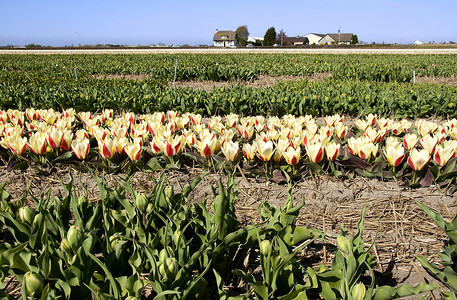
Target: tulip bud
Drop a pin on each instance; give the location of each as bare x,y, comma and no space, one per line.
344,245
65,246
75,237
26,214
177,235
358,291
34,283
114,240
82,201
265,246
37,220
163,254
141,201
168,191
149,208
169,267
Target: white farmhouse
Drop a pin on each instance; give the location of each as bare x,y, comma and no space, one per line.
225,38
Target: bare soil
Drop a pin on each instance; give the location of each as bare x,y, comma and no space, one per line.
437,79
394,222
262,82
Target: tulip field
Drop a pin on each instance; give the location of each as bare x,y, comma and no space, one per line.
70,128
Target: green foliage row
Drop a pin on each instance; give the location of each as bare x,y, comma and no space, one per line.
70,247
297,98
382,67
359,83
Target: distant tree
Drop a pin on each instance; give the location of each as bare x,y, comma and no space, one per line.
269,38
33,46
281,39
355,39
242,35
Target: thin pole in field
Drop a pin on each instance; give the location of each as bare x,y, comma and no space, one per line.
76,75
174,79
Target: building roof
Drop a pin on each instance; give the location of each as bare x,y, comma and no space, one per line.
318,34
224,35
342,37
253,39
297,39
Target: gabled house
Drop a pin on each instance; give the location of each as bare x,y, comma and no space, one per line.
336,38
314,38
295,41
225,38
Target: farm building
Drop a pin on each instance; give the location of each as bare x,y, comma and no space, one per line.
225,38
314,38
336,38
295,41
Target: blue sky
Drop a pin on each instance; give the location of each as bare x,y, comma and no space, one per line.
141,22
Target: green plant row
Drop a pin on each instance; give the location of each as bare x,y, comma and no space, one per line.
382,68
128,243
297,98
359,83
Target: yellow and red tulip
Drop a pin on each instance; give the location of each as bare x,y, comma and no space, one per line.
31,114
230,150
207,145
37,142
418,159
173,145
120,144
315,152
443,154
54,138
395,154
246,131
426,127
332,150
361,124
156,144
281,147
332,120
354,145
107,148
384,122
340,130
249,151
429,143
367,150
69,113
231,120
292,155
133,150
371,119
80,148
85,117
17,144
81,133
410,140
326,130
265,150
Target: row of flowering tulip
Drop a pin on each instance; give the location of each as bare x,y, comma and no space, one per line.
269,143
